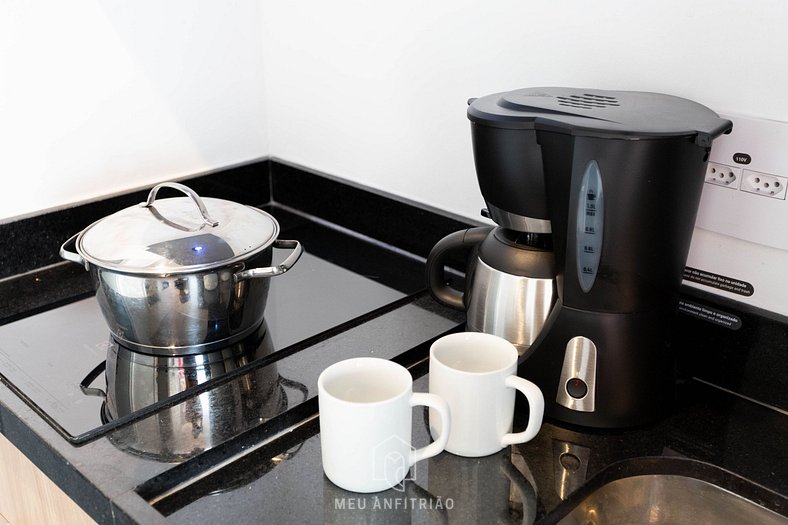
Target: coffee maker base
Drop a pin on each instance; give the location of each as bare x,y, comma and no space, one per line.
603,370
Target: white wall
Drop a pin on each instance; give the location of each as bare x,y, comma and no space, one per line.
97,97
376,92
100,96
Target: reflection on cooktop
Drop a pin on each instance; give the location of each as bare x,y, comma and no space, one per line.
136,381
45,357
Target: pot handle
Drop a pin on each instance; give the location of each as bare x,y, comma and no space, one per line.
273,271
436,278
189,192
71,256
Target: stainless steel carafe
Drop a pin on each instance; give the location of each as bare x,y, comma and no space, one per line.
510,281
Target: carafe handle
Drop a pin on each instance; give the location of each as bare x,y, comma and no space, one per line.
436,277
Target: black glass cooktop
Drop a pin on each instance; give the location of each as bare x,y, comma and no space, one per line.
46,356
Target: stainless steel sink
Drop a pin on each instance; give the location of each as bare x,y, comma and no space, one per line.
667,499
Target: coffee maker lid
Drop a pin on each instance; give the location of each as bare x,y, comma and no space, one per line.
595,112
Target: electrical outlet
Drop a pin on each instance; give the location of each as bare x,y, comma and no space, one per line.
722,175
757,148
741,236
764,184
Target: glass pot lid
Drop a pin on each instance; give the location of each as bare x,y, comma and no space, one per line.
177,235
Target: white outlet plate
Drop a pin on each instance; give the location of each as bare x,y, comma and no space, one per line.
759,147
741,232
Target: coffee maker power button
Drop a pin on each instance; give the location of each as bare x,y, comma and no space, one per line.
576,388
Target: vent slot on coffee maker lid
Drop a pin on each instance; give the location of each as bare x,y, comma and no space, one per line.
587,101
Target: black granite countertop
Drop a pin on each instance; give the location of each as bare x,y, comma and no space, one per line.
712,438
720,430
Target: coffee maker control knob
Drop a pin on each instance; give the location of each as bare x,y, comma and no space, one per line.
576,387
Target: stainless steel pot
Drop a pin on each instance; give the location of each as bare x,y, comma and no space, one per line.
182,275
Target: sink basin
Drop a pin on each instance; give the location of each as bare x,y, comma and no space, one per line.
669,500
670,491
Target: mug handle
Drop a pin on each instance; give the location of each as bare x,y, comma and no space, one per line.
536,410
437,446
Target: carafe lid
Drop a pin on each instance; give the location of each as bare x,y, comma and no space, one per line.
601,113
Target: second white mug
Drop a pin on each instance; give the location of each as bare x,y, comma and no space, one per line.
475,373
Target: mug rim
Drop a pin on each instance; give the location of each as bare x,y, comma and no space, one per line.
392,368
500,343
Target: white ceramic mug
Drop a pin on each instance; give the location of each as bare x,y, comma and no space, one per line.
476,374
365,408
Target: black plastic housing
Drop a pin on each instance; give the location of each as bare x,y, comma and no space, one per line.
652,191
509,170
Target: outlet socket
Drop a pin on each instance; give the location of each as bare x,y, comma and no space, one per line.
722,175
764,184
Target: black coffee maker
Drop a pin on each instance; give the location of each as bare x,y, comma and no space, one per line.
595,194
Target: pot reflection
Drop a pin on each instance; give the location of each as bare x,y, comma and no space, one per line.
197,423
136,380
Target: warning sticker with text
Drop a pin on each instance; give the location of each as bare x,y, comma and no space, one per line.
721,282
710,314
